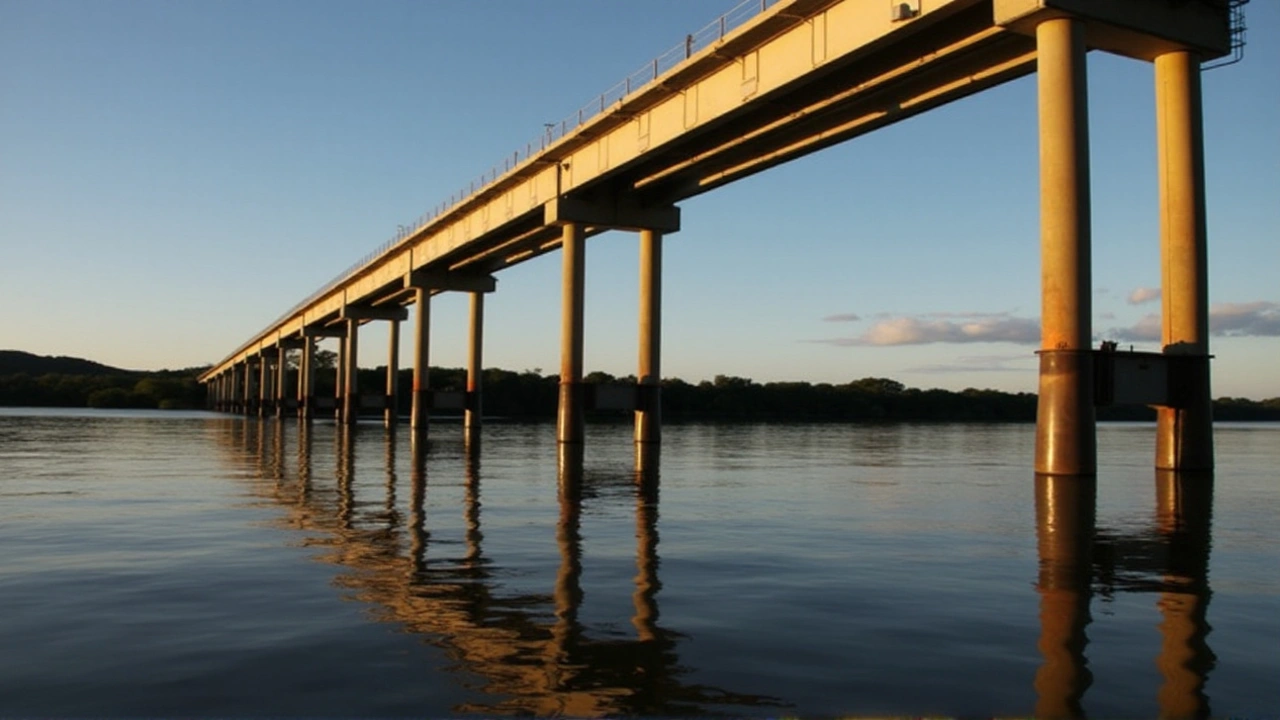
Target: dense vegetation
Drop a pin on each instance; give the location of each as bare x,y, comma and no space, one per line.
26,381
36,381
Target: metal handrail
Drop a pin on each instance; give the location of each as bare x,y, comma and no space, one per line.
1235,10
713,32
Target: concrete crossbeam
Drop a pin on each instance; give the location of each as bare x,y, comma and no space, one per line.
456,281
618,214
356,312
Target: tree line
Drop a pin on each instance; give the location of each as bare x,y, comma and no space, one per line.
531,395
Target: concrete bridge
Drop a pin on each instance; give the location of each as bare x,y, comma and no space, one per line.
769,82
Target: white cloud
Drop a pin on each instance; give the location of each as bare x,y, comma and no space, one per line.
953,328
842,317
1254,319
1146,329
1144,295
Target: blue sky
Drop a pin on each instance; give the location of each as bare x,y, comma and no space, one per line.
175,175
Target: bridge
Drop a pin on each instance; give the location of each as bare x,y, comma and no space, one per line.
771,81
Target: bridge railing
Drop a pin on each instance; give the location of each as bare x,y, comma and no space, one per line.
692,44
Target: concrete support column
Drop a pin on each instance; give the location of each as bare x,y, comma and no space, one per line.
307,379
421,356
1065,427
1184,435
475,366
264,379
340,378
351,375
570,426
282,372
392,412
649,374
246,388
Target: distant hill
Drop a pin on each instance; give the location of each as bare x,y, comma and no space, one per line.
17,361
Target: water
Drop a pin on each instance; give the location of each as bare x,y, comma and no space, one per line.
163,563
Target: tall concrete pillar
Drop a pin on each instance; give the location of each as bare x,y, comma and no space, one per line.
1184,435
351,375
340,378
1065,427
570,426
649,375
307,379
282,372
475,367
247,396
264,384
421,357
1065,512
392,412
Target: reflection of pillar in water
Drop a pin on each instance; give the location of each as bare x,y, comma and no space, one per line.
417,506
1184,507
390,458
471,510
647,584
304,462
260,448
346,473
277,453
1064,533
568,589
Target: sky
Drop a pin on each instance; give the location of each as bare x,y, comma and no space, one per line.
175,175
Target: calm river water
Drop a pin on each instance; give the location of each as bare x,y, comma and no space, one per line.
197,564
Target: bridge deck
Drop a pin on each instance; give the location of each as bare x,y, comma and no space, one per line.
799,76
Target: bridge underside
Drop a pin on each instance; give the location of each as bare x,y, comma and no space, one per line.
801,76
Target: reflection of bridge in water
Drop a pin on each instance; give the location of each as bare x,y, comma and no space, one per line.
531,649
536,655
